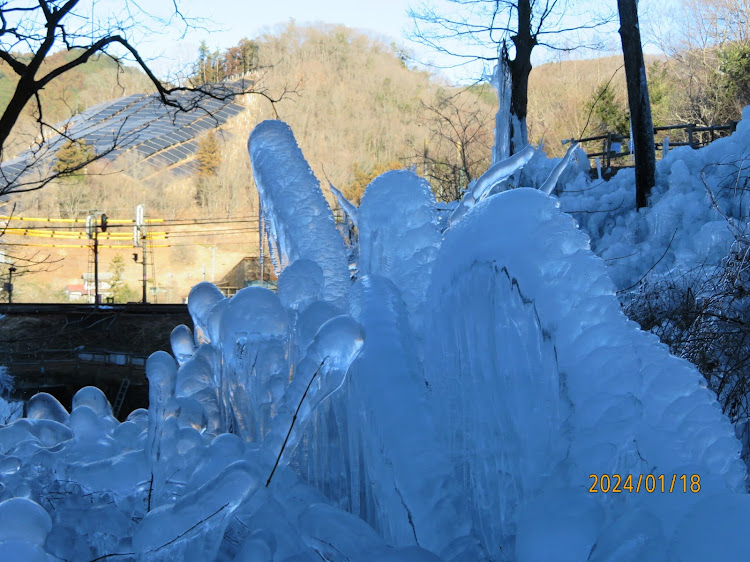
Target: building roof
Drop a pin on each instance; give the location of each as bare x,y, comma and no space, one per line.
140,124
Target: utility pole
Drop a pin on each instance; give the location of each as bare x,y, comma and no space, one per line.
144,298
139,238
11,271
96,266
92,230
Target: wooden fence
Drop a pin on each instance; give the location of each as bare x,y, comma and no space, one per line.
615,147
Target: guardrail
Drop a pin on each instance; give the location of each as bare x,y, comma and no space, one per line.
97,356
615,146
57,308
26,367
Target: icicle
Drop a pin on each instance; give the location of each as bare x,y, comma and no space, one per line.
501,82
349,208
551,181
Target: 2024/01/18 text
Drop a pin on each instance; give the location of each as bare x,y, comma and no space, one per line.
617,484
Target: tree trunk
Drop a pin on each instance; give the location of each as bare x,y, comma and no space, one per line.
520,68
638,101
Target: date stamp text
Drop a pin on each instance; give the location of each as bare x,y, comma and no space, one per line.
649,483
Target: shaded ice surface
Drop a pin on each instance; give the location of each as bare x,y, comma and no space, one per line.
574,387
450,404
9,409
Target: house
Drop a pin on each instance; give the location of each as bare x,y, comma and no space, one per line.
75,293
247,273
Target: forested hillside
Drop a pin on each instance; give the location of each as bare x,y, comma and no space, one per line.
357,108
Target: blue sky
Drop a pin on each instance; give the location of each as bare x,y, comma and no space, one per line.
228,21
231,20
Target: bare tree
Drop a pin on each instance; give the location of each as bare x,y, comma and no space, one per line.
474,30
709,45
460,142
638,102
31,31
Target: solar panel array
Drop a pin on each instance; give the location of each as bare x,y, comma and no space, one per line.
161,136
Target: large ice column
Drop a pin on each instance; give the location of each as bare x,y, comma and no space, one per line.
161,371
496,379
319,374
301,221
196,379
399,235
401,478
610,395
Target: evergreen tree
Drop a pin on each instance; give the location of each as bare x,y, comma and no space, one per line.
121,293
208,156
203,63
609,115
209,160
72,159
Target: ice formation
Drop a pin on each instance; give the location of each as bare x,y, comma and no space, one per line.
511,133
300,223
400,242
492,179
450,404
502,82
349,208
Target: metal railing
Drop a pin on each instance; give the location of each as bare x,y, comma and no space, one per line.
615,147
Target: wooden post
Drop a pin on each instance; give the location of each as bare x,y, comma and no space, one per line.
690,135
607,151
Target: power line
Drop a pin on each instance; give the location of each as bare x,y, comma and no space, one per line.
129,246
164,222
74,221
76,235
190,233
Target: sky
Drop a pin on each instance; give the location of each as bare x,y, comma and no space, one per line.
231,20
222,23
